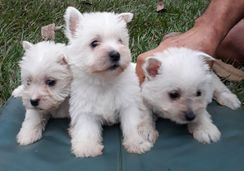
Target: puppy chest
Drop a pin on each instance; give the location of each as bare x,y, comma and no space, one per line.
99,103
105,106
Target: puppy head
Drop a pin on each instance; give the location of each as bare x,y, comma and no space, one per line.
178,84
45,75
98,42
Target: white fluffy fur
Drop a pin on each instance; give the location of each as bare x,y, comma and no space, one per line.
41,62
101,95
187,72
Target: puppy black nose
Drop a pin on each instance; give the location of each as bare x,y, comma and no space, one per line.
189,116
114,56
34,102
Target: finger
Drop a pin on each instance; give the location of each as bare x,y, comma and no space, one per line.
139,71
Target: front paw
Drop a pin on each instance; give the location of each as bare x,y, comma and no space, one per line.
29,136
206,133
86,148
148,132
137,144
230,100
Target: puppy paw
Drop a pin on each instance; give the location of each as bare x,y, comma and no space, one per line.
29,136
206,134
148,133
230,100
137,145
87,149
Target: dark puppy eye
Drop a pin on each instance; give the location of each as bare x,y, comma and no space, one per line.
120,41
50,82
94,44
28,82
198,93
175,94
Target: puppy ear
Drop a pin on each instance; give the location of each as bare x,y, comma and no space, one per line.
207,58
26,45
151,67
127,16
72,19
63,60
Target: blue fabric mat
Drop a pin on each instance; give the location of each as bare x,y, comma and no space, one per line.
175,150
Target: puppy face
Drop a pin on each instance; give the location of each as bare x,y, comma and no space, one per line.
178,84
45,75
98,41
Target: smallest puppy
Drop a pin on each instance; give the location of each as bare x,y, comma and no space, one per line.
179,85
46,78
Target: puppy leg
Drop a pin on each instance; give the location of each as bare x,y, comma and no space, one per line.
204,130
86,139
138,130
32,127
223,95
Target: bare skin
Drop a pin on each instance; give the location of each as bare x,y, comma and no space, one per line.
208,32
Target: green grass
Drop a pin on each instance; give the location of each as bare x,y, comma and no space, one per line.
22,20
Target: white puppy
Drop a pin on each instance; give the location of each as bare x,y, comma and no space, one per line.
45,87
178,86
105,88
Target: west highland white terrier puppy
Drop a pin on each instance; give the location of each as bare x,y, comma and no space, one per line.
46,79
179,85
105,88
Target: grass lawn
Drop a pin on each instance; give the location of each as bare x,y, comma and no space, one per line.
22,20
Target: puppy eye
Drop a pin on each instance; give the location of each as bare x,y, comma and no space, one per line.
198,93
50,82
94,43
28,82
120,41
175,94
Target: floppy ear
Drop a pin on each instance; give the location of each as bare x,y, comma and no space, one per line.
127,16
207,58
72,19
151,67
26,45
